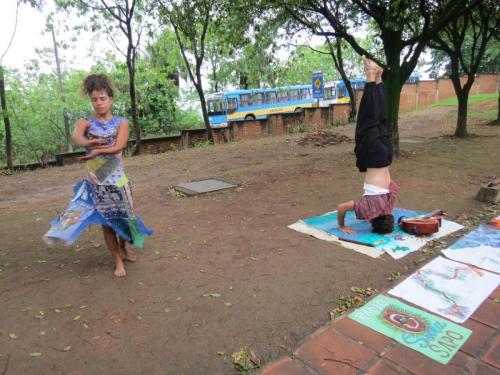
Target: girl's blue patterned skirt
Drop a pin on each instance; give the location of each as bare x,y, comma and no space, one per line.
98,204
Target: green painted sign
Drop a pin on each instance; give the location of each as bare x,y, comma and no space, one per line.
434,337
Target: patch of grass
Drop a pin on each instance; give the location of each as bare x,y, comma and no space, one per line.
347,302
393,276
473,99
489,114
245,360
202,144
301,128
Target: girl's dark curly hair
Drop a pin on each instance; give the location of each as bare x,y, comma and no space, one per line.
383,224
97,82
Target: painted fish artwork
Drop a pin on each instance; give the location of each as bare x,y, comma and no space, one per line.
448,288
428,334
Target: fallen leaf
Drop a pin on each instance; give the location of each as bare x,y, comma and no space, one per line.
35,354
85,325
228,304
57,311
76,317
67,348
13,336
221,353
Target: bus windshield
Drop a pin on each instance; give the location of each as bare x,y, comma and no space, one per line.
215,107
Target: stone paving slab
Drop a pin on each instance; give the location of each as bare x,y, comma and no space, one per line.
345,347
203,186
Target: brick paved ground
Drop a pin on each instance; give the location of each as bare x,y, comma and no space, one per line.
346,347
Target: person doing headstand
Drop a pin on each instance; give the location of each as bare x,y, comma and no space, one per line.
374,156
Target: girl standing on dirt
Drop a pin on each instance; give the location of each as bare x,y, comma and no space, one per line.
104,196
374,156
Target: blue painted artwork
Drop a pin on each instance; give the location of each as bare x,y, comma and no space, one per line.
481,248
484,235
328,223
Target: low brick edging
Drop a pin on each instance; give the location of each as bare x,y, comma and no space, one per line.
345,346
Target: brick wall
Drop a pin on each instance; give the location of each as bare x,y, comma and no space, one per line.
161,144
488,83
423,93
426,93
340,112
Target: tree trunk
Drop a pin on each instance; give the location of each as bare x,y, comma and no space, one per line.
462,94
69,144
201,95
243,81
6,121
340,68
133,107
498,111
461,129
393,88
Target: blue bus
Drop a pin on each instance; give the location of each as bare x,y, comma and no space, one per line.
254,104
336,91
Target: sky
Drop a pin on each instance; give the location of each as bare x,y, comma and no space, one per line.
30,34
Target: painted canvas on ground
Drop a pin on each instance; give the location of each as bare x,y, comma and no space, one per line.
397,244
481,248
301,227
428,334
448,288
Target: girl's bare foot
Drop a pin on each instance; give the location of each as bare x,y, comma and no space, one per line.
119,268
127,254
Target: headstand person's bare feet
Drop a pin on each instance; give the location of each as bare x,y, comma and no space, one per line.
370,69
378,76
373,72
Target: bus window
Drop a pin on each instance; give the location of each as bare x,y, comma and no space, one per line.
231,105
340,91
329,93
258,98
245,100
294,95
271,97
282,96
305,94
215,107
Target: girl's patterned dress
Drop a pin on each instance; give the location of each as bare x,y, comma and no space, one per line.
104,197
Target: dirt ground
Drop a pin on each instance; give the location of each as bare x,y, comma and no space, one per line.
222,270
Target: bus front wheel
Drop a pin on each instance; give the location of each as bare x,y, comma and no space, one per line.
249,117
298,110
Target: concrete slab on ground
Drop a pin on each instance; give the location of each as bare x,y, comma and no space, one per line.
203,186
